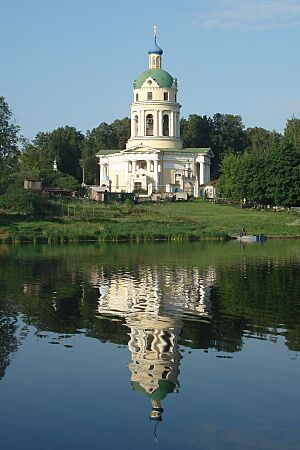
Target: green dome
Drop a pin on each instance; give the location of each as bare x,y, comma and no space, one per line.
165,387
162,78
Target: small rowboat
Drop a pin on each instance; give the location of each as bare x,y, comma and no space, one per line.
252,238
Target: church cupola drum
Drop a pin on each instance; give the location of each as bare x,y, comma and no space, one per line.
155,112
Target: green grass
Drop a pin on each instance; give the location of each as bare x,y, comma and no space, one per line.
87,221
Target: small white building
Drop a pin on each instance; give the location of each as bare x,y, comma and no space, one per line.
154,159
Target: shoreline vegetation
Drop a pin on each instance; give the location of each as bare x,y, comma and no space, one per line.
85,221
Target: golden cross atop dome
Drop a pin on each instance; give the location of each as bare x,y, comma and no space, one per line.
154,30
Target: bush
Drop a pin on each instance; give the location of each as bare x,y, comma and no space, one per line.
67,182
20,201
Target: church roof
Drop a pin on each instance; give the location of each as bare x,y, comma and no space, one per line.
108,152
155,48
162,78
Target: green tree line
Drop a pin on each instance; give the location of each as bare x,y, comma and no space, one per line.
255,163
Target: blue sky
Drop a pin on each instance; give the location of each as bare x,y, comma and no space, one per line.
72,62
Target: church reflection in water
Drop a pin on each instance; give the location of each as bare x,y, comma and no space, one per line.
154,304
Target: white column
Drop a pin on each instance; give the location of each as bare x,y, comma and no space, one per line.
178,124
156,119
140,123
175,124
148,167
100,172
132,124
133,167
155,172
160,119
202,173
171,124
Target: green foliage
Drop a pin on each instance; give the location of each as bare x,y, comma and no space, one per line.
196,131
282,175
260,139
268,177
292,132
66,182
9,134
224,133
122,131
63,144
9,140
18,200
89,161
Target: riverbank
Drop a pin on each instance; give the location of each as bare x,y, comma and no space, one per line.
83,221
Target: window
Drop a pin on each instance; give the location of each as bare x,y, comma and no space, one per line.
166,125
166,95
149,95
117,182
143,165
149,125
136,125
130,166
136,97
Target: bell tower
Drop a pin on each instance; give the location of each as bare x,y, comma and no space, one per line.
155,112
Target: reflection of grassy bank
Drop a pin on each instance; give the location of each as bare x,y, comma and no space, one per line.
85,221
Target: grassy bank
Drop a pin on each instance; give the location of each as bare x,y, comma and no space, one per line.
85,221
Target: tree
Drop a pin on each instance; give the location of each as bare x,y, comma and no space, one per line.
103,137
271,177
9,140
196,131
89,162
122,129
228,184
63,145
292,132
282,175
18,200
228,135
260,139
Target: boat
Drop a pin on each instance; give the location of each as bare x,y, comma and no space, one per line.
252,238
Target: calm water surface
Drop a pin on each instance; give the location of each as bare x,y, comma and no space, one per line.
95,340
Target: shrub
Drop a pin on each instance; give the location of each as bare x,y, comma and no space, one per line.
20,201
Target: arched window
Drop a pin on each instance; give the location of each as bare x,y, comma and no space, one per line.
166,125
153,61
149,125
157,62
136,125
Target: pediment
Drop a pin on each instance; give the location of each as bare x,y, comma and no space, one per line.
140,149
150,83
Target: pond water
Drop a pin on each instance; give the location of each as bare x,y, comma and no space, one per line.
177,346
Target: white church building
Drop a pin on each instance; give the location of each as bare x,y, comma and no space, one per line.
154,160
